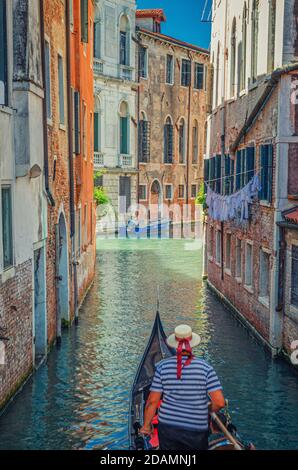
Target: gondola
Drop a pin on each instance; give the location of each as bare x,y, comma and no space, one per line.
156,350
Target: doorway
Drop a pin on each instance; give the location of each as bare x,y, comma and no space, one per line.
40,312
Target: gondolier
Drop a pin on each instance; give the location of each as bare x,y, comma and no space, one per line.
186,385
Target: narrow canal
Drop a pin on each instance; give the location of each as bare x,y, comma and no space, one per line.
79,398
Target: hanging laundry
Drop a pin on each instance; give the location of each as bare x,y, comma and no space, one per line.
223,208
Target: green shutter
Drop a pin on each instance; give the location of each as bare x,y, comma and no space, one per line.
270,172
3,53
96,129
250,164
238,170
124,135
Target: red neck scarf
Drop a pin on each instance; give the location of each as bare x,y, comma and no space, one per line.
183,345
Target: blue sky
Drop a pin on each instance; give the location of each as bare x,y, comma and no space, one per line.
183,19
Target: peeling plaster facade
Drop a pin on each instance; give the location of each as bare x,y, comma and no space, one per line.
239,80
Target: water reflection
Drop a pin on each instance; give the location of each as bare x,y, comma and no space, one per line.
79,399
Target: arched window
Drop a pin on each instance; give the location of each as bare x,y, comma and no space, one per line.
168,141
254,39
243,49
182,141
97,35
271,35
233,59
124,129
195,143
97,126
217,81
144,139
124,41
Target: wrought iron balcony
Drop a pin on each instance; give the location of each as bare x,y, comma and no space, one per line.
97,66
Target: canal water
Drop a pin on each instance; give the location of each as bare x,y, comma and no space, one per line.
79,398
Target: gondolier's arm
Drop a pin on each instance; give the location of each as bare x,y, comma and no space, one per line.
150,412
217,401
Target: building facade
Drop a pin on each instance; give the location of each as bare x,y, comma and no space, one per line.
82,123
23,204
172,101
115,124
252,131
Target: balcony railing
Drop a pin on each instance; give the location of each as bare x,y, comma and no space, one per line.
97,66
98,159
125,72
125,160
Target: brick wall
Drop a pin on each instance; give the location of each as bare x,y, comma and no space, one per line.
16,316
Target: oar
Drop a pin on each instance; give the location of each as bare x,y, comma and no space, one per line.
225,431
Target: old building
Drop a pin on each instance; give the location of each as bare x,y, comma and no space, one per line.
252,130
68,33
115,121
172,104
82,102
23,205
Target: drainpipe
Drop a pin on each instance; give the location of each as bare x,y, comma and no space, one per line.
71,164
50,197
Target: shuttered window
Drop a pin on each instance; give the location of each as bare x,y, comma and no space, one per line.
84,20
144,141
123,48
229,176
124,135
182,141
206,170
3,54
195,146
193,191
185,72
96,39
48,79
7,245
143,62
96,132
61,90
199,76
169,192
212,173
77,123
168,142
294,279
170,70
266,167
249,164
142,192
181,191
218,173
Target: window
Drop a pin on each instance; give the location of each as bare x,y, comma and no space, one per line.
271,35
61,90
169,192
124,129
245,166
97,38
77,124
215,173
97,132
266,169
124,41
264,279
193,191
185,72
168,141
170,69
218,247
228,251
144,139
182,141
294,276
195,144
48,79
211,242
143,62
238,258
181,191
248,265
78,232
254,40
199,76
233,59
142,192
217,81
229,176
7,242
243,49
84,20
98,180
3,54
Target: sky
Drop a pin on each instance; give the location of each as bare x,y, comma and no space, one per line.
183,19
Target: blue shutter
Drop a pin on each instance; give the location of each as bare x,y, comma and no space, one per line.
238,169
124,135
218,174
77,125
250,164
206,170
226,188
212,173
232,175
84,20
96,136
270,172
266,161
3,53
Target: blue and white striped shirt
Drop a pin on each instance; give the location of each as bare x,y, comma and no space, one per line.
185,401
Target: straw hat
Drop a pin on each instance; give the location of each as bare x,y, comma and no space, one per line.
183,332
